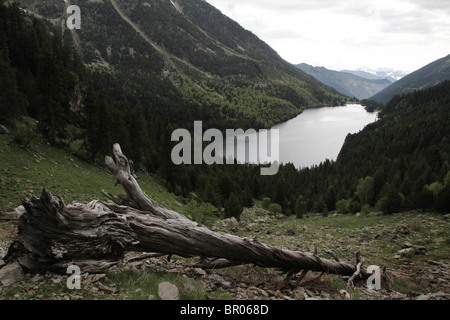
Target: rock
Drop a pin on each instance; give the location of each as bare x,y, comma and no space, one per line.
434,296
408,252
151,297
11,274
218,280
102,287
168,291
412,251
230,224
407,245
402,229
329,237
199,271
344,294
233,224
19,211
4,130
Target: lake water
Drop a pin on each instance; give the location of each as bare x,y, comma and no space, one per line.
318,134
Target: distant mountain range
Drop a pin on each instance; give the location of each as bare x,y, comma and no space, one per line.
359,84
185,60
428,76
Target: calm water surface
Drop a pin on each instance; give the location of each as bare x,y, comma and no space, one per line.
318,134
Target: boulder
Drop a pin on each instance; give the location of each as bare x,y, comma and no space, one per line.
218,280
168,291
11,274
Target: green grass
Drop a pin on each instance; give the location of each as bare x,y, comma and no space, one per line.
25,172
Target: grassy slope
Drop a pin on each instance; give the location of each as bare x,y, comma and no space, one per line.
25,172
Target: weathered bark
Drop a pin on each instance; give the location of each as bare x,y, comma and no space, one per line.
96,235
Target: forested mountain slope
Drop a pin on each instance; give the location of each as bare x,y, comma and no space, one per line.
428,76
183,60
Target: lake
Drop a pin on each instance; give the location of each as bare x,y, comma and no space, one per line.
318,134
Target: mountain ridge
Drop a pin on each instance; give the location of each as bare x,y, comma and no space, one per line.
344,82
428,76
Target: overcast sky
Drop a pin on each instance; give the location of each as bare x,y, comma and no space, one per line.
348,34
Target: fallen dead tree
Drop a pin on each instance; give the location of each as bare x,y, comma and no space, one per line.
95,236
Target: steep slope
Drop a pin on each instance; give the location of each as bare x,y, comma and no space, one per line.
183,60
428,76
346,83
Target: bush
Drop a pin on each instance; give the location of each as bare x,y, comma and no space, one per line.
354,207
265,203
390,203
24,133
275,208
202,213
343,206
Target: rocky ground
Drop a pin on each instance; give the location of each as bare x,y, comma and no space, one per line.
414,249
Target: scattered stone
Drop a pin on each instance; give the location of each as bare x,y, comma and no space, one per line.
168,291
412,251
218,280
407,245
200,272
151,297
402,229
36,278
434,296
344,294
329,237
11,274
102,287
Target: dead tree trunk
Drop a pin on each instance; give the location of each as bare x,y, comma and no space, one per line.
96,235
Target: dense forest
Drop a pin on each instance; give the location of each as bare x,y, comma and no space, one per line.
397,163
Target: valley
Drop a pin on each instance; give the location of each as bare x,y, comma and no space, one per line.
139,73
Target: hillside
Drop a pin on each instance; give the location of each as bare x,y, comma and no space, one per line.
183,60
24,172
346,83
428,76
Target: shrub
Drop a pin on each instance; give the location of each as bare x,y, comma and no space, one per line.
275,208
390,203
343,206
201,212
265,203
